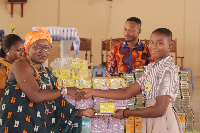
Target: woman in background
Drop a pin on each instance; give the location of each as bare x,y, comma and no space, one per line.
12,49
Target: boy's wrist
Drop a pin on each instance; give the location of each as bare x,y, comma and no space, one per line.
125,114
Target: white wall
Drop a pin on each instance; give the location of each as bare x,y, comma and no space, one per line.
101,19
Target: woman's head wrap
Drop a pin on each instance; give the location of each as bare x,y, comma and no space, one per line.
33,36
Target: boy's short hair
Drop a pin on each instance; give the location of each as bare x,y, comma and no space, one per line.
134,19
165,32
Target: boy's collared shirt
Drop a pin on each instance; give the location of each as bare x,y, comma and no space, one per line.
124,59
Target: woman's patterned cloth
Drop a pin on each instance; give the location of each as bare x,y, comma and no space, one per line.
160,79
4,70
124,59
19,115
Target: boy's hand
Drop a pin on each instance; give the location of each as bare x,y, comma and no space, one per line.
74,93
119,114
87,91
89,113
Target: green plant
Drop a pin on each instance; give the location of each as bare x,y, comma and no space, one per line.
12,27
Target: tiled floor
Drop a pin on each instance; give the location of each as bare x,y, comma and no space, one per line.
195,102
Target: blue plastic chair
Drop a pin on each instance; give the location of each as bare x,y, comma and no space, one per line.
97,69
191,81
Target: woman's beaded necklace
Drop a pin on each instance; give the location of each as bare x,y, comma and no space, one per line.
40,82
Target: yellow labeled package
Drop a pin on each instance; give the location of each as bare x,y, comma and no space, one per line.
130,124
117,82
182,120
107,107
79,64
138,124
65,82
81,74
78,83
87,83
63,73
82,83
100,82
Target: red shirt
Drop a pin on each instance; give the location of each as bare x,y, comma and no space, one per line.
124,59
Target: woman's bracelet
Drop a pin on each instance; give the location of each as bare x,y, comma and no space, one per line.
63,91
123,114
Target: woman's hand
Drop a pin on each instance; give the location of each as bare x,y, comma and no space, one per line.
119,114
87,91
74,93
89,113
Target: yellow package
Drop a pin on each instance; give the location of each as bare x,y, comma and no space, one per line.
81,74
82,83
79,64
65,82
182,120
63,73
100,83
117,82
87,83
130,124
107,107
138,124
78,83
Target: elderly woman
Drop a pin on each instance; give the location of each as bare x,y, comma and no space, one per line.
32,102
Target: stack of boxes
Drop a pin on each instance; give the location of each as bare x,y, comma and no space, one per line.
77,75
181,104
103,84
133,124
185,95
129,79
117,125
108,106
177,104
139,99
